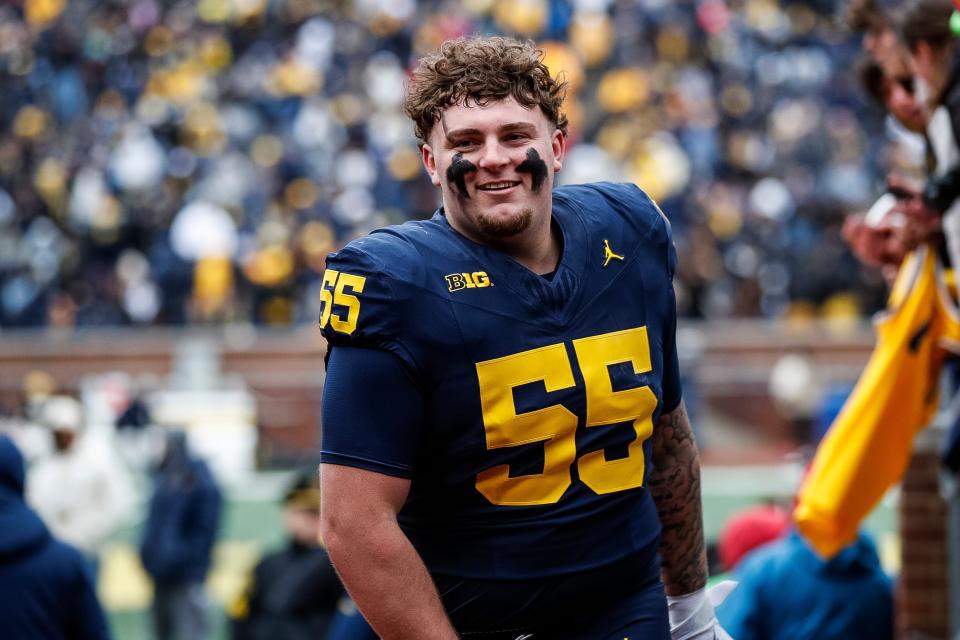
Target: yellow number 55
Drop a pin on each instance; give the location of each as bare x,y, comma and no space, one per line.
556,425
332,292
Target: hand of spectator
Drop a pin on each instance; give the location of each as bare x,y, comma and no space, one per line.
916,232
875,245
884,241
910,203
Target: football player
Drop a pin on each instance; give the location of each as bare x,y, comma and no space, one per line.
505,449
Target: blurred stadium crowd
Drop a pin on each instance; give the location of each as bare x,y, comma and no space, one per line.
194,162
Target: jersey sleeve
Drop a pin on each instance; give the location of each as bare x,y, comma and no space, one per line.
372,412
672,387
371,403
647,201
359,306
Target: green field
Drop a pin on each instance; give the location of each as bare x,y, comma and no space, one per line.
251,524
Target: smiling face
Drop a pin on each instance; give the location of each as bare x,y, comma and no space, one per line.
900,93
901,100
495,165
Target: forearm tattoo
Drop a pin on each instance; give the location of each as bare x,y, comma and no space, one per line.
674,483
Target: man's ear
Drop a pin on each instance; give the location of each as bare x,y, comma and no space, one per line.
559,143
430,164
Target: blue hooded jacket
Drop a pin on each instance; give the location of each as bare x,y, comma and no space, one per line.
788,592
46,589
181,526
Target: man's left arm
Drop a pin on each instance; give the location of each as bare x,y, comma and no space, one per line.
674,484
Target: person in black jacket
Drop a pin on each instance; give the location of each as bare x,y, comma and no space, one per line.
46,589
928,37
293,592
178,540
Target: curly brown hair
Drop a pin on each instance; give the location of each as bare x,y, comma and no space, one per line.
475,70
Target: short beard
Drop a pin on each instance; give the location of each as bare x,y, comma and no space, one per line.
504,227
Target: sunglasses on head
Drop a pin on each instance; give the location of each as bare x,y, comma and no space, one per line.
907,83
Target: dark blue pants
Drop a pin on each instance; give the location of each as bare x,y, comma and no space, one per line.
621,601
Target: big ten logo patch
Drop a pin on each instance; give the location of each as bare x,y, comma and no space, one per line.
475,280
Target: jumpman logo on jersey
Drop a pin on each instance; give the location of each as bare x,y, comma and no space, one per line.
608,253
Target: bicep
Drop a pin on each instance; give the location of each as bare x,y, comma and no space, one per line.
348,492
372,412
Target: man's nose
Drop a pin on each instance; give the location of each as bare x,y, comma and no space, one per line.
493,156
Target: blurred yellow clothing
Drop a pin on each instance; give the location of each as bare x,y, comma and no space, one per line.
212,282
623,89
868,445
564,63
42,12
523,17
592,36
271,266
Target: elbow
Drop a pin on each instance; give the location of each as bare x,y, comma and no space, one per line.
329,529
351,533
337,532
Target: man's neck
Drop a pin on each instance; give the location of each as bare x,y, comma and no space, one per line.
538,250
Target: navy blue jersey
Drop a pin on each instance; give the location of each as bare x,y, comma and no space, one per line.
539,394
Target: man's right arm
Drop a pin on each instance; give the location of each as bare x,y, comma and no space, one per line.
372,422
380,568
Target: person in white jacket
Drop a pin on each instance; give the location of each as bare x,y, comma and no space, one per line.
82,491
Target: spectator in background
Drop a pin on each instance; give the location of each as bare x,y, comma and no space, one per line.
138,438
82,490
869,19
897,95
748,529
194,162
880,237
796,389
925,31
293,593
788,592
178,538
46,590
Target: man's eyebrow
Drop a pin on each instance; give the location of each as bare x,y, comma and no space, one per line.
457,133
511,126
519,126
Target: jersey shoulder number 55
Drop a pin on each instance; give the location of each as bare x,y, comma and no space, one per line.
339,304
358,302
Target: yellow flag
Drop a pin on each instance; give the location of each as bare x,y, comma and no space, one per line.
867,447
